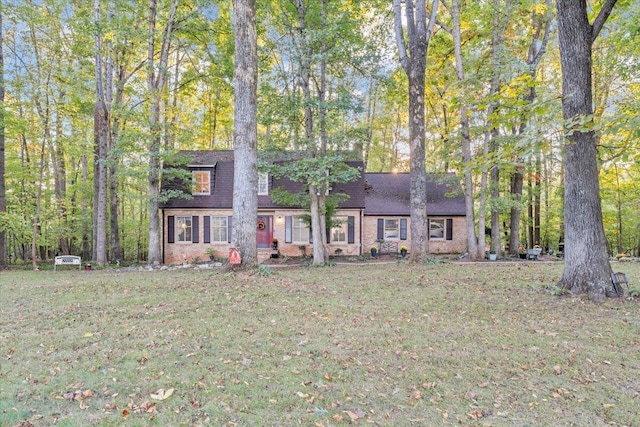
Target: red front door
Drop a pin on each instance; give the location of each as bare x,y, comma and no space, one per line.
263,231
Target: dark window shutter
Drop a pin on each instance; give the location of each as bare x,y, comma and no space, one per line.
287,229
206,225
403,228
328,235
351,230
428,229
310,235
171,229
380,228
195,230
449,229
229,228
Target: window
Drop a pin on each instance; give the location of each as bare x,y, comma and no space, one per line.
436,229
391,229
339,230
183,229
219,228
263,184
299,229
201,183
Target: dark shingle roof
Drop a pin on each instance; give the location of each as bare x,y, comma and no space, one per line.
221,163
389,194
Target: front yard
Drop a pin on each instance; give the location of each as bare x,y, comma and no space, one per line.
373,344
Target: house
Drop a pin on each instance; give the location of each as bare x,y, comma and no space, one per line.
387,213
377,207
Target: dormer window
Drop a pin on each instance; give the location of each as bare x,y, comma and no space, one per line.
263,184
201,183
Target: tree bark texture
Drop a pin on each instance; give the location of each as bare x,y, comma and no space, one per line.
155,86
465,139
587,266
3,200
412,52
101,134
245,133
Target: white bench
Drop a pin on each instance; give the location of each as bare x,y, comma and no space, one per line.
534,253
67,260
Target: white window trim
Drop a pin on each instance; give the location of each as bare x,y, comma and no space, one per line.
397,229
298,220
226,227
181,222
444,228
263,184
343,226
195,182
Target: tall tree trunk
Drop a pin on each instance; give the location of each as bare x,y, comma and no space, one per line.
587,266
465,139
3,200
101,135
60,182
493,132
35,225
537,192
413,58
619,245
245,132
541,25
155,86
114,133
84,210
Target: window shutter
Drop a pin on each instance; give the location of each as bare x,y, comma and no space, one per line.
380,228
195,231
351,230
403,228
206,225
287,229
229,228
171,230
328,235
428,229
449,229
310,235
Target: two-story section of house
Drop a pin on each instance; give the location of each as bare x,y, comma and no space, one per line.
373,207
201,224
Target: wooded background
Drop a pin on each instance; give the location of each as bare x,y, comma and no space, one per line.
96,96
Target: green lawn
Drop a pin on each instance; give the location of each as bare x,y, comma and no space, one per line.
386,345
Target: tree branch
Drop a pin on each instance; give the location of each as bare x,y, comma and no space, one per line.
400,40
602,17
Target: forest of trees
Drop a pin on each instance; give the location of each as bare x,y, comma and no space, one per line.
96,96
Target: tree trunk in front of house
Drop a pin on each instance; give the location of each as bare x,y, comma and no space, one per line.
245,133
587,268
412,51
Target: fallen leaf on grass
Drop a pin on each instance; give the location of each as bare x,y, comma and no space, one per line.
477,414
355,416
162,394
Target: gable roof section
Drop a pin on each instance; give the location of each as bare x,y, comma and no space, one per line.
389,194
221,165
